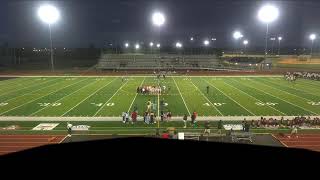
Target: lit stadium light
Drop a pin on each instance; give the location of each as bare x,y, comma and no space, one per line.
151,44
313,37
48,14
237,35
268,14
245,42
158,45
137,46
280,38
191,39
272,39
250,64
178,45
126,45
158,19
206,43
213,39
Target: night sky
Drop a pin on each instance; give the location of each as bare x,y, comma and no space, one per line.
99,21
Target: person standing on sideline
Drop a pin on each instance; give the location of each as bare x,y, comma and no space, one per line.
208,88
127,117
185,119
219,126
134,117
69,128
123,117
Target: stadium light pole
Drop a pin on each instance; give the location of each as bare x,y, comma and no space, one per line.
158,20
273,40
312,37
237,35
245,43
279,41
49,14
268,14
206,43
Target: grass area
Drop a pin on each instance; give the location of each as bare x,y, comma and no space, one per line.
110,96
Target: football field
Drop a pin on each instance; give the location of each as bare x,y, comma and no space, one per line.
110,96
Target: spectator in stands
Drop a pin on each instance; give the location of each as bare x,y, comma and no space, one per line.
220,124
185,119
207,128
165,135
134,116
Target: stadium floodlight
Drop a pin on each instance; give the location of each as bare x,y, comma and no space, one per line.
279,43
158,45
312,37
268,14
158,19
245,42
151,44
237,35
206,42
127,45
191,39
213,39
49,14
178,45
137,46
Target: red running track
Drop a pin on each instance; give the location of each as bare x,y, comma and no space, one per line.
14,143
304,141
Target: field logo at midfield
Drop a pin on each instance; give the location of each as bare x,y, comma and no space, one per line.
314,103
45,126
3,104
215,104
266,104
49,104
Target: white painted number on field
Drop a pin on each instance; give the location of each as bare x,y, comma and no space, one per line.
186,79
266,104
49,104
110,104
215,104
98,105
314,103
3,104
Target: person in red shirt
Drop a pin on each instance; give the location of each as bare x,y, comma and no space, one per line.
134,117
165,135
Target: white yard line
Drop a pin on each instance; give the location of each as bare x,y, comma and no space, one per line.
64,96
110,99
88,97
38,98
26,88
136,95
283,100
206,98
255,98
181,96
230,98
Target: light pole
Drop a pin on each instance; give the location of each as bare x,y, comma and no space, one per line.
49,14
158,20
245,43
267,14
312,37
237,35
279,40
273,40
206,43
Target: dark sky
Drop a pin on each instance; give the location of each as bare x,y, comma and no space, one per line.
100,21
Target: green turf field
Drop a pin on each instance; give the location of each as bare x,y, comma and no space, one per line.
109,96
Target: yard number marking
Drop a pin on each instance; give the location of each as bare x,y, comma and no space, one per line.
266,104
215,104
98,105
314,103
110,104
3,104
49,104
